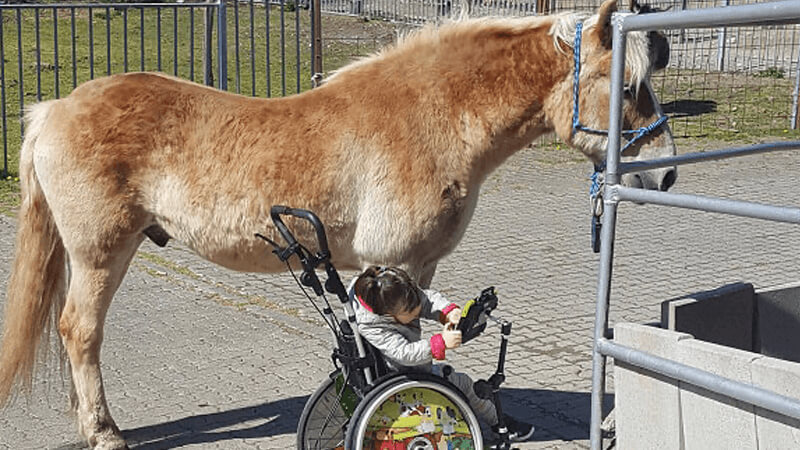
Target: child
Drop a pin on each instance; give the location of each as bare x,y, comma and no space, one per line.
388,307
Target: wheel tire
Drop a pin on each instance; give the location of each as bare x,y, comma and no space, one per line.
324,419
440,393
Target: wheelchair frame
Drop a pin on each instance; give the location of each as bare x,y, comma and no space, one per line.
361,376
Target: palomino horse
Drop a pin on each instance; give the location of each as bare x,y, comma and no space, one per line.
390,153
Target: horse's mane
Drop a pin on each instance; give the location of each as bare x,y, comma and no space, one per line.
562,28
637,49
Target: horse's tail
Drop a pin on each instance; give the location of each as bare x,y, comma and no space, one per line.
36,289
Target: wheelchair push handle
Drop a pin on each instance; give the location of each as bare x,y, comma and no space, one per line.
278,210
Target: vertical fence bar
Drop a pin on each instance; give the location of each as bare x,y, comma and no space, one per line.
108,41
3,93
283,47
252,51
297,44
316,46
222,44
141,40
175,40
722,36
91,45
158,37
236,45
125,40
191,43
268,60
21,75
208,69
38,56
55,52
607,236
74,54
796,94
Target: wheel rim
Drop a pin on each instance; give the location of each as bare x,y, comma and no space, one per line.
418,415
327,421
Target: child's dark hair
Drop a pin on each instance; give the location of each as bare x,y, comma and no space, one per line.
387,290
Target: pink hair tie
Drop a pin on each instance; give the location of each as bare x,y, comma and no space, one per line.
364,304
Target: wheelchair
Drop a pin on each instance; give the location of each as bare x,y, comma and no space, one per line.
364,405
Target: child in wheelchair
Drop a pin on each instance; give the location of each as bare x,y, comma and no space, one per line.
388,307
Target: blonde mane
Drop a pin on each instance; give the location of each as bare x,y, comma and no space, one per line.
637,50
562,29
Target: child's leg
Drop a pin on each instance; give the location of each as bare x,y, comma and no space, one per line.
485,409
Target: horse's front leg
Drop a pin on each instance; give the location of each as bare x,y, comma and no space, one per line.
81,328
426,275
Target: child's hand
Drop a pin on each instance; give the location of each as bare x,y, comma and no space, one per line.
451,336
454,316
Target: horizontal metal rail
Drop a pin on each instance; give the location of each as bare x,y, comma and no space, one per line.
689,158
749,393
701,203
741,15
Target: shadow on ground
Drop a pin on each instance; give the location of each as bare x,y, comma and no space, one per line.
269,419
558,415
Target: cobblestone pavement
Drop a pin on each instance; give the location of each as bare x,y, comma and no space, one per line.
197,356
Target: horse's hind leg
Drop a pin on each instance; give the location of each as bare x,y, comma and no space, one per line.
92,285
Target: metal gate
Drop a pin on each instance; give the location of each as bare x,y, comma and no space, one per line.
253,47
613,193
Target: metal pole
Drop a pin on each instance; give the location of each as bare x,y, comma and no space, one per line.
607,234
208,69
709,204
722,36
222,45
796,94
316,44
689,158
734,389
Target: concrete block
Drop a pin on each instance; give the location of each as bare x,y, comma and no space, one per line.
723,316
777,322
710,420
777,432
647,405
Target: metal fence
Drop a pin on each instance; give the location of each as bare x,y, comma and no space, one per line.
722,83
613,193
258,48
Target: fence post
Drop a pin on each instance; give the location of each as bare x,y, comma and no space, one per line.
796,94
222,45
208,39
316,43
722,36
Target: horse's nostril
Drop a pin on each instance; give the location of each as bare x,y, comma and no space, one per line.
668,180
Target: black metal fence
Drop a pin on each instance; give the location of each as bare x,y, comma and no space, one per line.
252,47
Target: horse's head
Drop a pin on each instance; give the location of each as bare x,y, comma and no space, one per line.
583,107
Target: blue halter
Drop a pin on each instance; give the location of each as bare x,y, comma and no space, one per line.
576,124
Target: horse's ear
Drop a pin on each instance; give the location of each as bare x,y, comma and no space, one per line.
603,28
659,47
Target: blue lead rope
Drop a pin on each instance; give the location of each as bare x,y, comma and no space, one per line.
576,124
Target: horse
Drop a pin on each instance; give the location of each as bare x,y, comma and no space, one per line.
390,152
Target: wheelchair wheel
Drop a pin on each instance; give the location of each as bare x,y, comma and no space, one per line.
324,419
414,411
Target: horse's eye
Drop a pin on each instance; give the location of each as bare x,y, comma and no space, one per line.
629,89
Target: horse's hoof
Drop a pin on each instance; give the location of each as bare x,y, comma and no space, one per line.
110,441
112,444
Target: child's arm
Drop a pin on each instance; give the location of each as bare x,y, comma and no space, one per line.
435,306
395,347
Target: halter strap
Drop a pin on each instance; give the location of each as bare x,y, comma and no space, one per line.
576,124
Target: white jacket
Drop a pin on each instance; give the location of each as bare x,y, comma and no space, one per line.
402,345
